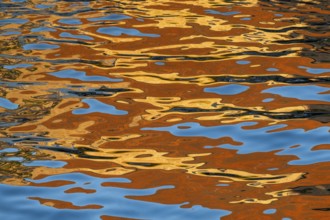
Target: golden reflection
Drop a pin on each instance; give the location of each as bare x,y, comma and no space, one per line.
213,109
112,171
282,193
201,80
167,103
318,190
129,160
159,81
257,180
254,200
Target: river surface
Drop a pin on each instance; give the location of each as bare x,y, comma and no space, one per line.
167,109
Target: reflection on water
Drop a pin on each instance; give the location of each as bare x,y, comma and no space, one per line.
164,109
94,200
286,142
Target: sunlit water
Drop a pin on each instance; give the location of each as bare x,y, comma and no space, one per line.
192,109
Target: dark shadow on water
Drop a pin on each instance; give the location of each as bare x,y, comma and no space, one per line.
316,112
317,23
319,190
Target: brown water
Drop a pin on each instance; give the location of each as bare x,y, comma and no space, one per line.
192,109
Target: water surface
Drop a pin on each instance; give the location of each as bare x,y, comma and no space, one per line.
164,109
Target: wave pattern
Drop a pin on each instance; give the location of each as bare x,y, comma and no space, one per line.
164,109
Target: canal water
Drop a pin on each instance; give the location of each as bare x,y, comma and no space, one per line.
145,109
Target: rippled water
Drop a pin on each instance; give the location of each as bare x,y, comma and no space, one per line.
192,109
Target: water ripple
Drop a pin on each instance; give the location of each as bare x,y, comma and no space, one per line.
194,109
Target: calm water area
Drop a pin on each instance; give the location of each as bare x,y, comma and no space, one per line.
164,109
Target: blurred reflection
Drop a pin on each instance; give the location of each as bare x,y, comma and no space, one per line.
189,109
312,14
